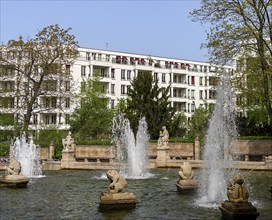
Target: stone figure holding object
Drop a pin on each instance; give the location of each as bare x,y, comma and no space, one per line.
163,137
68,142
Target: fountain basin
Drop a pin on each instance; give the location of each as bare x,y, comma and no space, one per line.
186,186
117,201
238,211
14,181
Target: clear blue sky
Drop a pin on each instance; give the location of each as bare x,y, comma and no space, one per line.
160,28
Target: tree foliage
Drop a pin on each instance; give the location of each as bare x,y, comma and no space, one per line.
198,124
92,120
146,99
241,28
179,126
37,63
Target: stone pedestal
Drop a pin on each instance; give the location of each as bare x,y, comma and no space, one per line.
197,149
68,156
186,186
162,156
14,181
238,211
117,200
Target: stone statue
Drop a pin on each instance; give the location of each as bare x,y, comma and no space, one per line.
186,182
14,167
163,137
115,197
68,142
186,172
236,190
237,206
14,179
117,182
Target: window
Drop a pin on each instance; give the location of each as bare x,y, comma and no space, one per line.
54,102
67,70
87,55
123,89
113,73
112,88
201,94
193,80
193,94
83,70
200,81
193,107
156,76
129,74
67,102
163,77
67,86
50,119
100,56
123,74
107,58
112,104
102,73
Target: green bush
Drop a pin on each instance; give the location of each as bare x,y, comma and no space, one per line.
4,149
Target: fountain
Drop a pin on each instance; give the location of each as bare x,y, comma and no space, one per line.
222,130
131,151
28,156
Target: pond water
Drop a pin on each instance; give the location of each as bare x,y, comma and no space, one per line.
74,194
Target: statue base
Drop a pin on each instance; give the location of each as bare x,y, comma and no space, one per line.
67,157
14,181
162,156
238,211
117,200
186,186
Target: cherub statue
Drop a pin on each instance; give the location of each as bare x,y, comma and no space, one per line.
117,182
14,167
236,190
68,142
186,172
163,137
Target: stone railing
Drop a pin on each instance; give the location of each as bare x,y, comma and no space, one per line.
251,150
95,153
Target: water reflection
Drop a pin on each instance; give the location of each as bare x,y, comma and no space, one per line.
75,195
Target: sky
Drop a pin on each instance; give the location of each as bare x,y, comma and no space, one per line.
149,27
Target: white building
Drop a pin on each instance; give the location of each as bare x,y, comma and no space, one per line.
192,83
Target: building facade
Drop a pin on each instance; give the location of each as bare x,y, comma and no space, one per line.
192,84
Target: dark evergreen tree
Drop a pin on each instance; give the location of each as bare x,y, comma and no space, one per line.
146,99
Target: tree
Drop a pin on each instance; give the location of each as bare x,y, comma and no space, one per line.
92,120
241,28
146,99
179,125
199,123
38,64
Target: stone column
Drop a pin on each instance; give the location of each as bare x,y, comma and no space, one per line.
197,149
51,151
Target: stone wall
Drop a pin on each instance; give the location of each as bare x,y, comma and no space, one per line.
251,149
